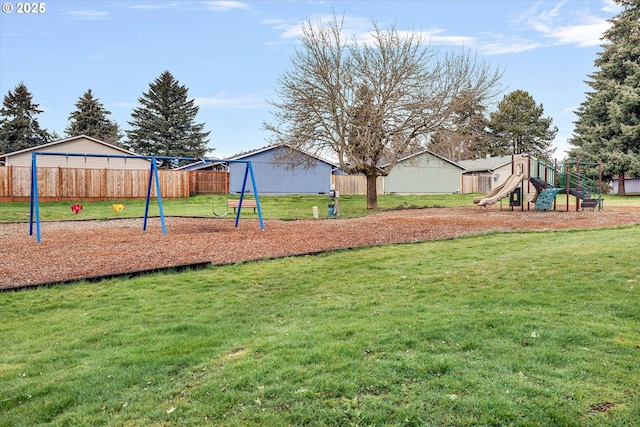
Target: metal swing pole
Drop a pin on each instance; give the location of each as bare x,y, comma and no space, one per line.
153,175
255,191
244,185
146,205
34,208
159,194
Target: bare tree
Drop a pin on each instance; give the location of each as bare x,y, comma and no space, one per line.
370,103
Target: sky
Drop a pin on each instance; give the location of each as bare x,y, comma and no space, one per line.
230,54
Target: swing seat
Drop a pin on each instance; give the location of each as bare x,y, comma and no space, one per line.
76,208
117,207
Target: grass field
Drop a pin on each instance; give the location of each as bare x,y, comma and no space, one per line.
527,329
281,207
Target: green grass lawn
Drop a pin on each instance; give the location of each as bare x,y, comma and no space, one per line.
502,329
280,207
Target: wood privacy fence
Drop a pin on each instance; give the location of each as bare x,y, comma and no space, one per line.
476,184
209,182
357,184
56,184
348,185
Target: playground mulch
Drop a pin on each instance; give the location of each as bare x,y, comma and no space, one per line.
74,250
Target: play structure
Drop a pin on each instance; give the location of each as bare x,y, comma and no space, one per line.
542,181
76,207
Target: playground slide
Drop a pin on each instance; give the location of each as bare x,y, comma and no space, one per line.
501,191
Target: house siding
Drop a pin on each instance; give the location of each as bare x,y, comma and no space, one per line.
631,185
496,170
273,176
79,145
424,173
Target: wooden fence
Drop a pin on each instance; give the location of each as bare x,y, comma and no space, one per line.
476,184
56,184
357,184
348,185
209,182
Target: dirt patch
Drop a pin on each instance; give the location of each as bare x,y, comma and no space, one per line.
79,249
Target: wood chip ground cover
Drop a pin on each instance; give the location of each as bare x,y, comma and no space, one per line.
73,250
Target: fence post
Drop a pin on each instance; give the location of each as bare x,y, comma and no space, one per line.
10,181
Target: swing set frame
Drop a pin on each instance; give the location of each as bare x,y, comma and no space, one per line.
34,204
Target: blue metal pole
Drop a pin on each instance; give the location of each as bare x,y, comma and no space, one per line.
146,206
255,191
34,214
35,200
159,194
244,186
37,196
31,206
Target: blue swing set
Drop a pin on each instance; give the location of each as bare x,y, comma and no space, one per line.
34,213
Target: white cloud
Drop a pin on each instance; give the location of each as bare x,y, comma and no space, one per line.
545,23
566,23
222,100
352,26
226,5
217,6
89,14
436,36
611,7
502,47
155,5
286,29
582,35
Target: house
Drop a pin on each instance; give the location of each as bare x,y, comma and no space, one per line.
424,173
483,175
281,169
631,185
78,145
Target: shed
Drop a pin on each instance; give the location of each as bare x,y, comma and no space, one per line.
80,145
281,169
424,173
485,174
631,185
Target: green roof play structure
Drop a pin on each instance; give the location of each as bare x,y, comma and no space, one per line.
545,180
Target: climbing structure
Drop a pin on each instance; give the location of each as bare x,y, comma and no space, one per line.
568,178
544,181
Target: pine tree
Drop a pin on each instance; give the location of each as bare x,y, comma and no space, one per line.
608,125
19,128
164,124
466,137
90,119
518,127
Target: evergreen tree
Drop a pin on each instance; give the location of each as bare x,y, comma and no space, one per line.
518,127
608,125
19,128
164,124
90,119
466,137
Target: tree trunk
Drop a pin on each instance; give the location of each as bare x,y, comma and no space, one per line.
372,192
621,189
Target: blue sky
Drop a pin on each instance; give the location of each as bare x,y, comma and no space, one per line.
229,54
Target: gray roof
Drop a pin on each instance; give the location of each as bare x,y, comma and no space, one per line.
429,152
250,153
486,164
61,141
